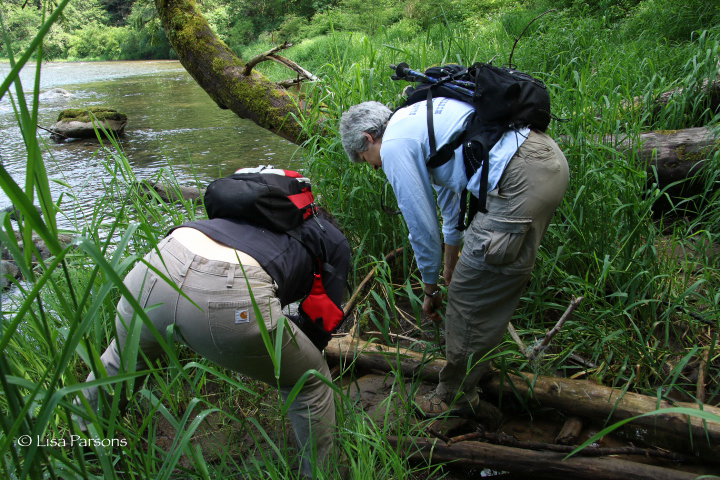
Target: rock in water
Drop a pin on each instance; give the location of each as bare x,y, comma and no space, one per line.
55,94
7,269
82,123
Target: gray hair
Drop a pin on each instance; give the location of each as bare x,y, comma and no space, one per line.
366,117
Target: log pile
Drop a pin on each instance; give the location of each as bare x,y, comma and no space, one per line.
579,399
549,465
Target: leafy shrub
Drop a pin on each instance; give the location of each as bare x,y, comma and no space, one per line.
289,30
323,23
611,9
429,12
23,23
97,42
404,30
241,32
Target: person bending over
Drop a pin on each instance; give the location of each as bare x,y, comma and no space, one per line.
527,179
216,263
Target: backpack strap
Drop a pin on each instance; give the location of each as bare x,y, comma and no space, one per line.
477,140
319,265
430,123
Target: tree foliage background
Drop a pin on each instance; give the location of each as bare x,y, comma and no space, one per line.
130,29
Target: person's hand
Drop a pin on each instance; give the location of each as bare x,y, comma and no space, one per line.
450,258
432,303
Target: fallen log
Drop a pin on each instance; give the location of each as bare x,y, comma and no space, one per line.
539,464
574,397
348,350
670,156
711,90
589,451
675,154
585,398
172,194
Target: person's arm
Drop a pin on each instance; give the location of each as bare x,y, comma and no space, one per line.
335,283
449,203
452,254
432,301
403,164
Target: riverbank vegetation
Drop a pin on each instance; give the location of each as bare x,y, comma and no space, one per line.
131,30
646,262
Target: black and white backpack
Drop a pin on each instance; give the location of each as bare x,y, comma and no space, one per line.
504,99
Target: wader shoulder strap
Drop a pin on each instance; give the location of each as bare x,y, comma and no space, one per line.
319,264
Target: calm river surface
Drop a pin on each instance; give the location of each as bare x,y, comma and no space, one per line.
172,122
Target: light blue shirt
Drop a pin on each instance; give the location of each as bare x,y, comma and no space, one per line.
404,151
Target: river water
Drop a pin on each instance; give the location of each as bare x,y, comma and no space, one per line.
172,124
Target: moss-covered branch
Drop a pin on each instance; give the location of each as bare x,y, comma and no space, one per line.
221,73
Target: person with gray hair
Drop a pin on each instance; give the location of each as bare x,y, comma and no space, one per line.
528,176
365,118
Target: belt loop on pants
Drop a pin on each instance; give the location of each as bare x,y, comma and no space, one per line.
231,275
186,265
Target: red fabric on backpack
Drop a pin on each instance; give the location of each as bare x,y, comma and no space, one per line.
318,306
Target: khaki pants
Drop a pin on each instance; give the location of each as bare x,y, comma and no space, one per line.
224,330
497,261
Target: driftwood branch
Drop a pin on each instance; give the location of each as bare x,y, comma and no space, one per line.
291,82
53,132
533,352
514,335
394,335
550,465
286,62
365,284
264,56
293,66
589,451
704,359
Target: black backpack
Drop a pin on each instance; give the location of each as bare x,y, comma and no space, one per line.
279,200
504,99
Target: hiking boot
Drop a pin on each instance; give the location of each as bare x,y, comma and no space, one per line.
432,405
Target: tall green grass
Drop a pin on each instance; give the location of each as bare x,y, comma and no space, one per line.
646,319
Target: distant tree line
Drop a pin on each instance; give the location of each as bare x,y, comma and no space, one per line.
130,29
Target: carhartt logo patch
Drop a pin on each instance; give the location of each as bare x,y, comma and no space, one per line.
242,316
